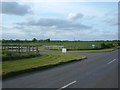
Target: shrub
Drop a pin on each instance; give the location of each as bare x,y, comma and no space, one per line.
9,55
109,45
103,45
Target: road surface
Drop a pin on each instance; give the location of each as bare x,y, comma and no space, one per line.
99,70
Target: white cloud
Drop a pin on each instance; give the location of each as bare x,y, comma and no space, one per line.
57,34
64,8
74,16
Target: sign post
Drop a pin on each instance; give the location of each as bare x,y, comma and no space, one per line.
64,50
93,45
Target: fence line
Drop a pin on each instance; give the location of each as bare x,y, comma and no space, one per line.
20,48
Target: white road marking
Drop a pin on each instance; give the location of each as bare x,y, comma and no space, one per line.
67,85
111,61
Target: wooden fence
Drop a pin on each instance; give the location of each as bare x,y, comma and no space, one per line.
20,48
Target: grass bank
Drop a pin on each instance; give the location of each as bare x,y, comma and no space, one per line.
12,68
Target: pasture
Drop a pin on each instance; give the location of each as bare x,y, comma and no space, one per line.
70,45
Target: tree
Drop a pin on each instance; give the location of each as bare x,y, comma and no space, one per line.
110,45
103,45
48,40
17,40
11,40
34,40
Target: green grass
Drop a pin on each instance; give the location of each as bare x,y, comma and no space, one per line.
10,67
100,50
48,50
68,45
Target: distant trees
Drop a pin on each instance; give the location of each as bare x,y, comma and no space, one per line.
17,40
48,40
103,45
118,43
34,40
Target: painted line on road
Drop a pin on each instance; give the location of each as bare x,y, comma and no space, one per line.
67,85
111,61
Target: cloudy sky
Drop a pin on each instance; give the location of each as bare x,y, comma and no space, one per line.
59,20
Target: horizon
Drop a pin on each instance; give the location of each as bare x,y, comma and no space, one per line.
53,40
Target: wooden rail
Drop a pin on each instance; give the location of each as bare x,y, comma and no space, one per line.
20,48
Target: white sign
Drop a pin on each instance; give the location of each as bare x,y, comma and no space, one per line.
64,50
93,45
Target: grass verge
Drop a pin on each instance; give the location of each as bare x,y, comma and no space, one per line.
45,61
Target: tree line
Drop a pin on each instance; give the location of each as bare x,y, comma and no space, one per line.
48,40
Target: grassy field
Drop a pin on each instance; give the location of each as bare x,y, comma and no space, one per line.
69,45
101,50
24,65
57,43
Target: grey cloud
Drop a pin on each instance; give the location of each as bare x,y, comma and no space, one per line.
112,18
111,21
14,8
58,23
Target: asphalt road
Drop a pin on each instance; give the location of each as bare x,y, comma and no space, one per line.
100,70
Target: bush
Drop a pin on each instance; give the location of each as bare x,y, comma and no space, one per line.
107,45
9,55
103,45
